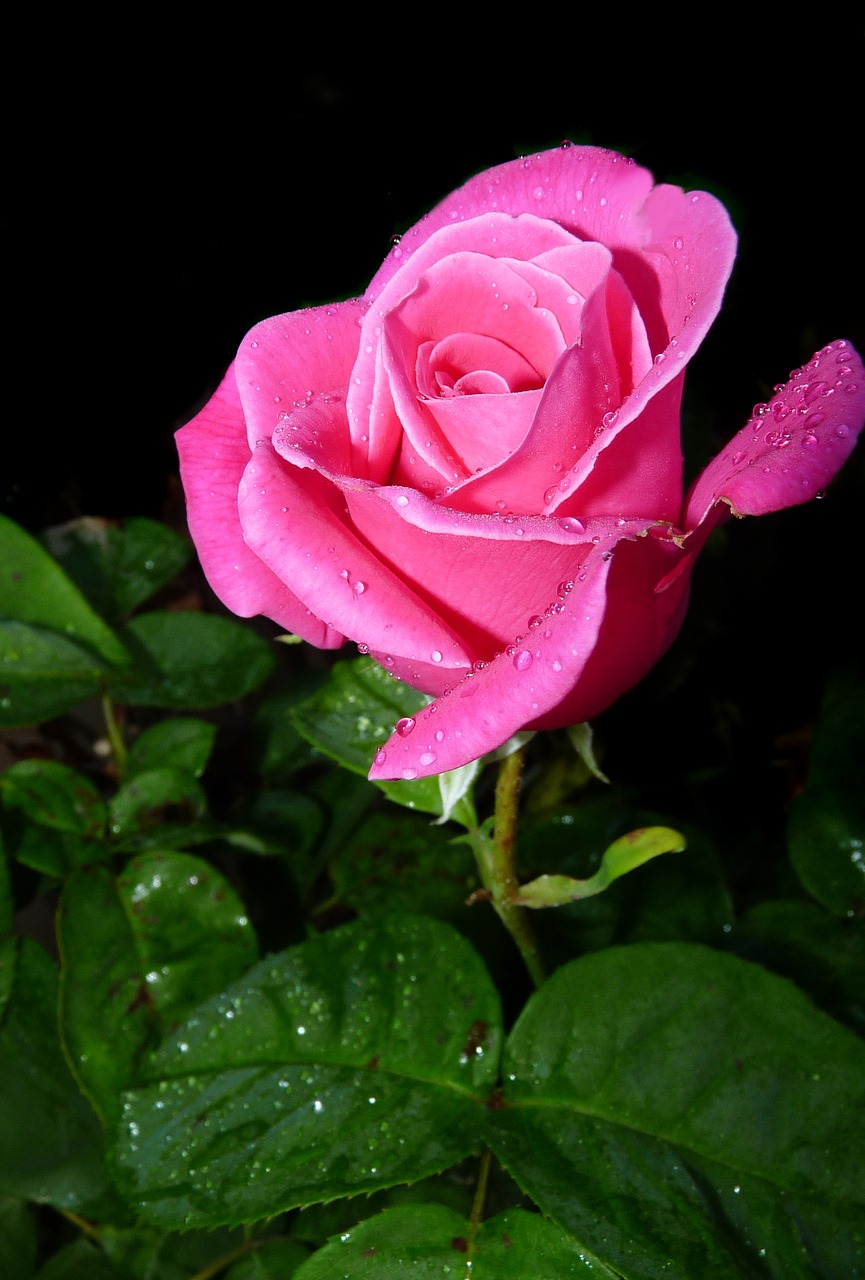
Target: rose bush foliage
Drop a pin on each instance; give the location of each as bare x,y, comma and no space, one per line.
474,471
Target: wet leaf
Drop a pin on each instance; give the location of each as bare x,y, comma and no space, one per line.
356,1061
54,817
43,674
177,743
685,1113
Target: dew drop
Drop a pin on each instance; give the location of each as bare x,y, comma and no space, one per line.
436,655
405,725
739,457
522,660
842,431
571,525
409,774
550,494
380,757
402,500
428,757
359,588
440,737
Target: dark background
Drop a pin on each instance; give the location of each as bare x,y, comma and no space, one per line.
167,198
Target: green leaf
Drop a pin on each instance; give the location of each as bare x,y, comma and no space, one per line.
79,1261
7,906
826,827
581,739
685,1113
177,743
823,955
272,1260
17,1240
34,589
355,1061
397,861
145,804
428,1240
117,568
138,954
623,855
190,661
51,1147
54,817
142,1253
43,674
826,838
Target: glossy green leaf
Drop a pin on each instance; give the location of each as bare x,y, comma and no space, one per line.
54,817
190,661
177,743
117,567
138,953
356,1061
150,799
51,1147
350,718
685,1113
17,1240
43,674
34,589
426,1241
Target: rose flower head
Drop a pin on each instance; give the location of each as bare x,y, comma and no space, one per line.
474,471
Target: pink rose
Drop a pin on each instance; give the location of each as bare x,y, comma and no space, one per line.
474,471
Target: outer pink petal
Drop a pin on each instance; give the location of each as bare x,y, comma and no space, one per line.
674,250
559,671
213,454
286,360
789,450
295,520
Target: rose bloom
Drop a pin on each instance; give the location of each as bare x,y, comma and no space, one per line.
474,471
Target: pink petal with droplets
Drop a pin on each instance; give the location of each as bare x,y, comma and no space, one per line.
789,450
213,455
611,627
287,359
294,521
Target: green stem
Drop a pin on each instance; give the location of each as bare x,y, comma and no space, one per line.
115,735
495,858
479,1202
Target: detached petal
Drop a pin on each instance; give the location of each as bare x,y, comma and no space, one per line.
213,455
791,448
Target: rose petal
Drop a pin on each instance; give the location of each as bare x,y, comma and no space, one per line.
213,454
674,249
287,359
495,236
558,671
789,450
295,520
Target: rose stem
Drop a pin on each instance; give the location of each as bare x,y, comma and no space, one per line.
115,735
496,865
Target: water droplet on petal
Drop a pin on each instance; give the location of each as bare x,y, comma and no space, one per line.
380,757
409,774
428,757
359,588
436,655
522,660
405,725
571,525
